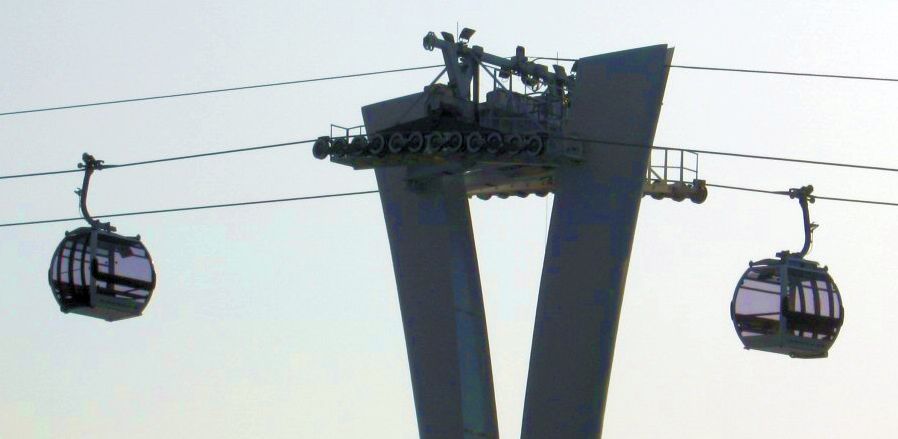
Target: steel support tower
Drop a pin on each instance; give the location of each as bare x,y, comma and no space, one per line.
433,150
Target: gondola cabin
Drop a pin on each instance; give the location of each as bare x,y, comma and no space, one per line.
101,274
787,306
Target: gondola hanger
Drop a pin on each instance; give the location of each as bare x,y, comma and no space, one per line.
90,164
803,194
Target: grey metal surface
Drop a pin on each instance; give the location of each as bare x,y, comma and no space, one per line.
440,298
617,98
386,114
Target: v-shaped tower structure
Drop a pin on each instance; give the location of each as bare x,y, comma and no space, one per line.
584,136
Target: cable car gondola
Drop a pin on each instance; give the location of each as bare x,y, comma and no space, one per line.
788,305
98,273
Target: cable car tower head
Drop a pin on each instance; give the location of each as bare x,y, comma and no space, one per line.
789,305
96,272
508,145
504,145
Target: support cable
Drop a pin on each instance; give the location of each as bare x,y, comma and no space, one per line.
775,72
757,71
184,209
354,75
763,191
345,194
217,90
735,154
212,153
596,141
164,159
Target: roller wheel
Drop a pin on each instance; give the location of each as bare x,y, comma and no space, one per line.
339,147
454,142
377,145
513,144
494,143
433,142
678,191
358,146
321,148
699,193
415,142
475,142
397,143
533,145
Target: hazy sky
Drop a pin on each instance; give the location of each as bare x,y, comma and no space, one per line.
282,321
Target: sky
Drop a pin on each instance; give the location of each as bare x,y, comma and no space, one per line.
283,321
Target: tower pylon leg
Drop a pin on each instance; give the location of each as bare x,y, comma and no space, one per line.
440,298
617,99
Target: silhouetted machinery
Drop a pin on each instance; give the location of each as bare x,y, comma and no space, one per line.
98,273
508,145
789,305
